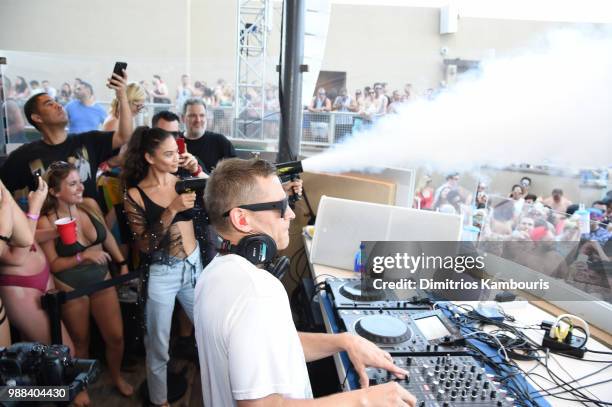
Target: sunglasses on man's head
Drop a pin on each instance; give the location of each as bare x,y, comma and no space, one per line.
59,165
266,206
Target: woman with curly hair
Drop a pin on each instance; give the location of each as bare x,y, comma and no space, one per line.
163,228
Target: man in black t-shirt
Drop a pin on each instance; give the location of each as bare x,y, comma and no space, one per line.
86,150
207,146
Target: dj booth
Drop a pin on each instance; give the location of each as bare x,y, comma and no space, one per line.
448,366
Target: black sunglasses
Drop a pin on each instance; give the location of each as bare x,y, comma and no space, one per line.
266,206
176,134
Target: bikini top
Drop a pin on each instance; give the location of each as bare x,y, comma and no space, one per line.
64,250
153,211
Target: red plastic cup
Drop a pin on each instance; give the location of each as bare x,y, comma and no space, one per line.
66,228
180,142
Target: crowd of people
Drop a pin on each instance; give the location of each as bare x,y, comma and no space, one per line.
118,187
354,111
549,234
63,238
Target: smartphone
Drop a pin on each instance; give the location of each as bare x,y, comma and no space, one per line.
119,67
180,142
35,179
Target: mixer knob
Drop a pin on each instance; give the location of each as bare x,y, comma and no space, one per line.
429,377
455,368
435,348
424,368
408,361
440,395
500,404
457,384
472,368
446,367
437,368
462,375
435,384
451,376
442,375
479,376
483,395
485,385
493,394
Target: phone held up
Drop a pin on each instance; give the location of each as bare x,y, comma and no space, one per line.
119,67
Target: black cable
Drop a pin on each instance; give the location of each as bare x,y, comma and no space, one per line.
583,377
563,384
597,351
547,393
571,377
582,387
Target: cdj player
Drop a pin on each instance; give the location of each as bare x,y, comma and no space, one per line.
403,330
446,381
347,293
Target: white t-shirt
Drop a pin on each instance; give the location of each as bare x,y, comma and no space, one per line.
247,341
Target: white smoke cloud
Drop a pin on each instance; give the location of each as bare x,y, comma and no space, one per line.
550,105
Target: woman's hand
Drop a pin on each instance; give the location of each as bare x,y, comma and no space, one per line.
183,202
119,84
188,162
96,257
36,198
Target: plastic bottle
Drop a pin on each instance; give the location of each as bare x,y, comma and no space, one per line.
357,265
584,216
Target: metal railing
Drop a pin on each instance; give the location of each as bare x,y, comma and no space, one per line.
320,129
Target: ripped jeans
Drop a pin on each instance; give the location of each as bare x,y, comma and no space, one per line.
171,279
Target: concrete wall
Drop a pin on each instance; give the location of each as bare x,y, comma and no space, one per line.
62,39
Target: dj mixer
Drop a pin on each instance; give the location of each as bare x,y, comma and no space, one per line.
446,381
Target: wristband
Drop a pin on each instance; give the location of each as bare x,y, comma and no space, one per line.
32,216
198,171
122,263
78,257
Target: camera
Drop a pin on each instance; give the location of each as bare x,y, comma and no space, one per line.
35,364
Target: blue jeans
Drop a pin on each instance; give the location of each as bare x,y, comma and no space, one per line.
167,281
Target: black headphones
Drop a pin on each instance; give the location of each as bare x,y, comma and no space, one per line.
258,249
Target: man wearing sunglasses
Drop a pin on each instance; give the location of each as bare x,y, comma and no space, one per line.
250,351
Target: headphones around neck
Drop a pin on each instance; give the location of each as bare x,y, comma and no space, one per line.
259,249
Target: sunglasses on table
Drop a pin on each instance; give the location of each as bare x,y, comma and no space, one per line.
266,206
